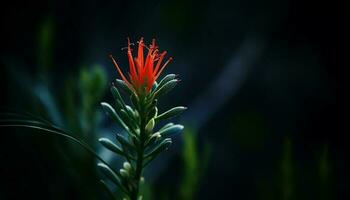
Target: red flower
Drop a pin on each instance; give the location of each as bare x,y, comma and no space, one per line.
143,72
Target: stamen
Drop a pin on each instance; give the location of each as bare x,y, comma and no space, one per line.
120,71
159,59
143,45
131,44
165,64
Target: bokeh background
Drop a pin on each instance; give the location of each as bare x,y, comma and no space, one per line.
263,81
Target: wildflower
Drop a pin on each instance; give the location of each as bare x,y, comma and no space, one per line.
143,72
143,142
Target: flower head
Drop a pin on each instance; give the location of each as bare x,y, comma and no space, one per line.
143,72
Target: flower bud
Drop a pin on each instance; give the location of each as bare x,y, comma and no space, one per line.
150,125
127,166
124,173
157,135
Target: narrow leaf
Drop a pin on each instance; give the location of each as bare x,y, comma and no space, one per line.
111,112
166,79
128,120
117,95
124,142
107,190
110,174
166,126
45,126
154,138
111,146
172,130
135,101
155,86
134,113
124,86
159,148
171,113
165,88
120,101
153,113
57,131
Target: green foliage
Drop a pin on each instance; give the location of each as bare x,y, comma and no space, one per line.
121,84
70,104
113,114
108,172
92,84
45,44
12,119
162,90
108,191
195,165
170,130
111,146
166,79
158,149
141,143
171,113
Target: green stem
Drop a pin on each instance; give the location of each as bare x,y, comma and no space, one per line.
139,159
138,173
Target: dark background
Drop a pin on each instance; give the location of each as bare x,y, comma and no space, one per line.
264,82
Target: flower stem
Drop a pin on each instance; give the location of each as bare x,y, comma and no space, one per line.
140,152
138,173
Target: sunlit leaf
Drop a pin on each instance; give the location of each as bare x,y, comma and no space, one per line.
171,113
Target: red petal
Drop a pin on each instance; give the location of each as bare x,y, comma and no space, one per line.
159,62
140,52
131,64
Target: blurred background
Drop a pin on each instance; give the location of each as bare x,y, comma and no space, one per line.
263,81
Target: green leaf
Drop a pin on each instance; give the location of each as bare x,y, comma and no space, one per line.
135,101
45,126
171,130
124,86
166,79
119,99
155,86
159,148
134,113
22,121
150,125
166,126
111,112
124,142
129,117
130,121
111,146
119,105
171,113
117,95
153,113
165,88
154,138
110,174
130,110
150,102
107,190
